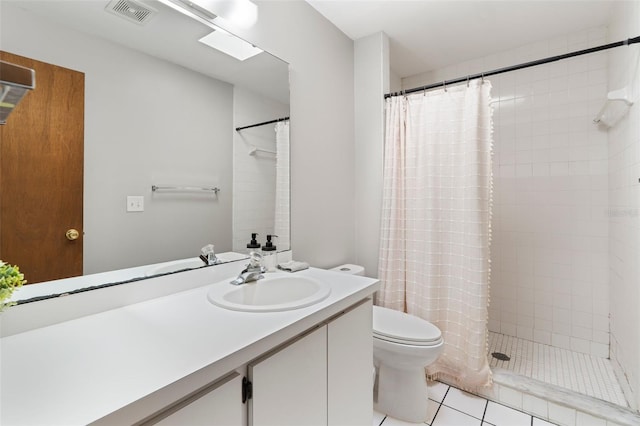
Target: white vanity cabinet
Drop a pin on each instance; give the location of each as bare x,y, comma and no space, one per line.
216,404
322,378
290,385
350,367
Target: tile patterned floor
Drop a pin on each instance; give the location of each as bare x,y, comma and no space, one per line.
449,406
582,373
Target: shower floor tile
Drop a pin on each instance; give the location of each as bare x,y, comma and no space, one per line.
578,372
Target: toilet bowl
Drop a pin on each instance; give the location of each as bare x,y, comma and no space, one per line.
403,345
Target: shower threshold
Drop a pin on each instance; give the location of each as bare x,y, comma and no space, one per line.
555,384
577,372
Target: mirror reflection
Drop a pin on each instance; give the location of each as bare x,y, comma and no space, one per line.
153,106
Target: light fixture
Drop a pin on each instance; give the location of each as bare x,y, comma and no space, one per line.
240,13
230,44
210,13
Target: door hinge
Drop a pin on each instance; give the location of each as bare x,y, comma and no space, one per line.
247,390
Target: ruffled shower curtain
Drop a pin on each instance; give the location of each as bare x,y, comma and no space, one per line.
435,235
281,227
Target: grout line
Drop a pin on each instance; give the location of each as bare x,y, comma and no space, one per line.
440,404
484,413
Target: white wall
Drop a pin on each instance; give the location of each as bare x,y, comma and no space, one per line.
549,248
624,207
372,81
322,127
132,106
254,176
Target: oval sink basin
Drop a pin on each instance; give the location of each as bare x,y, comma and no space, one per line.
274,293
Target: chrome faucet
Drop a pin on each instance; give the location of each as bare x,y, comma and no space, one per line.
208,255
253,270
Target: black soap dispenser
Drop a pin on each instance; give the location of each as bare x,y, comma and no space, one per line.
269,254
253,245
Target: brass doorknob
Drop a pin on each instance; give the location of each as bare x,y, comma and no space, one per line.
72,234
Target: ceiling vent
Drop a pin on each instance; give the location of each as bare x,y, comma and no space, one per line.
131,10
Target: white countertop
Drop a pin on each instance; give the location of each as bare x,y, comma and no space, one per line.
79,371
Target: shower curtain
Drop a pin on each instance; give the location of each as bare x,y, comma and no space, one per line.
434,254
281,227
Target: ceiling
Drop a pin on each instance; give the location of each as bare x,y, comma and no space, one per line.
430,34
168,35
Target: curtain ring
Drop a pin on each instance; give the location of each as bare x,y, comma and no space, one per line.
444,85
482,78
467,81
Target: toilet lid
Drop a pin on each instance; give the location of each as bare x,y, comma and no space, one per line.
400,327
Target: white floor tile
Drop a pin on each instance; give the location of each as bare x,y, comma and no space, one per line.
539,422
584,419
377,418
432,410
390,421
534,405
465,402
561,415
449,417
437,390
500,415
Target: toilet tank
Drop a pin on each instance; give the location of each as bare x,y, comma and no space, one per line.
348,268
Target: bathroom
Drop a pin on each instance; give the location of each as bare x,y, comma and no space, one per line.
336,181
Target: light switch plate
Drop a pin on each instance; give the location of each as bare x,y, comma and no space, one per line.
135,203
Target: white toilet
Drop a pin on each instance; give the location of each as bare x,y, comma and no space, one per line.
403,345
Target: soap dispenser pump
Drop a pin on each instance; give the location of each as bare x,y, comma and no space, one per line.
253,245
269,254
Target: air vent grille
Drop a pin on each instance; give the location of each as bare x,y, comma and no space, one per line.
131,10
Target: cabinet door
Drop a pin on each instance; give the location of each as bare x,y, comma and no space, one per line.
219,404
350,367
290,386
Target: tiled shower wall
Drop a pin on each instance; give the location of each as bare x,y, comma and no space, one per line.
624,204
550,231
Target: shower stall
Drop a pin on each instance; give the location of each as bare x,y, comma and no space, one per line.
563,321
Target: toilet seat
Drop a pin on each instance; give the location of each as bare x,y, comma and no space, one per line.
398,327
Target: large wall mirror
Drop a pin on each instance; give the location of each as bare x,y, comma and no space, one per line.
160,109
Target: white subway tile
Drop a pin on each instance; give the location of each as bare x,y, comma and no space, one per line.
511,397
562,415
584,419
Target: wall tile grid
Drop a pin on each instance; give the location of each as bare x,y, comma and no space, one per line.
550,229
624,207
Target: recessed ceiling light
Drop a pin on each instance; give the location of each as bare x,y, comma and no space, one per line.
230,44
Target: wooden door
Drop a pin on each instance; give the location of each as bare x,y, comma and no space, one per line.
41,174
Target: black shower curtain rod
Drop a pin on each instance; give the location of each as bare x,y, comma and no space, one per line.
516,67
262,124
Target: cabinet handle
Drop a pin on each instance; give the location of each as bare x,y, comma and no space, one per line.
247,390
